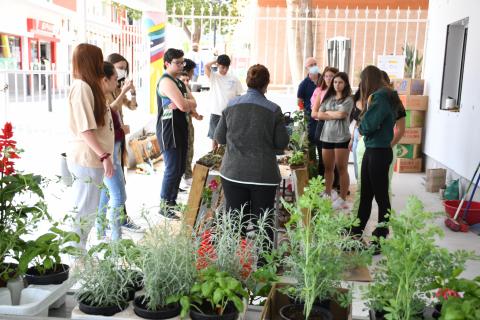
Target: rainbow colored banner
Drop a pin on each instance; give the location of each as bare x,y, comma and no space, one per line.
154,23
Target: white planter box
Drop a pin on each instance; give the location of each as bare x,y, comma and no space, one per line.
35,300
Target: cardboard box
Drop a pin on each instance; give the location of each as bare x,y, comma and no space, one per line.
276,300
417,103
409,86
408,165
409,151
435,179
415,119
412,136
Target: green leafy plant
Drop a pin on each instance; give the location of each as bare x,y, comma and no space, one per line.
461,300
168,264
319,242
411,265
217,288
261,281
412,57
297,158
44,252
22,203
207,193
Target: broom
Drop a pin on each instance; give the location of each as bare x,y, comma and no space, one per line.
452,223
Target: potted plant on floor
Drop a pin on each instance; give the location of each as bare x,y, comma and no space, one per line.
411,262
461,300
21,208
168,265
104,284
215,295
44,254
317,258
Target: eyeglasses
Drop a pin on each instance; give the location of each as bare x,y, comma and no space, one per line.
180,63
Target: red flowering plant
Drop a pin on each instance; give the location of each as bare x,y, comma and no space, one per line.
21,204
221,244
208,191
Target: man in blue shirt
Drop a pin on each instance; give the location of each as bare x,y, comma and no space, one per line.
304,93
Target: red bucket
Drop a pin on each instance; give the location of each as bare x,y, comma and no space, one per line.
473,215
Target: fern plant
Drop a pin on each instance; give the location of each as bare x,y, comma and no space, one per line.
318,246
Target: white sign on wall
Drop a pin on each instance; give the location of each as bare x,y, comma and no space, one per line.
393,65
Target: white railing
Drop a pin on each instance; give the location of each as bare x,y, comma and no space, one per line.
372,32
35,86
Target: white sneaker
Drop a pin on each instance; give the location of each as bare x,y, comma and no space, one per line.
334,195
340,204
187,182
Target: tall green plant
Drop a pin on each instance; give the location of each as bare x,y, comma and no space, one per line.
412,58
318,256
411,263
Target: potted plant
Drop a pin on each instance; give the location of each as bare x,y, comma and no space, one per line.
317,256
125,254
215,295
44,254
104,283
21,207
411,265
461,300
168,266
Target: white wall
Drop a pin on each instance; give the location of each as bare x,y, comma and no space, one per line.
453,139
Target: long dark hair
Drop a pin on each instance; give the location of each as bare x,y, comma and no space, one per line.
347,90
323,83
87,64
371,79
115,57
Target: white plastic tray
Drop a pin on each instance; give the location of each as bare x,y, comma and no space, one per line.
35,300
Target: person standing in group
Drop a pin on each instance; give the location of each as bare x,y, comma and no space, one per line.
91,148
304,95
173,102
253,130
113,195
316,101
376,126
185,77
223,87
117,100
195,56
335,137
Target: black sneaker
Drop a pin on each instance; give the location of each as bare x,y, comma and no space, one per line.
132,227
181,190
168,213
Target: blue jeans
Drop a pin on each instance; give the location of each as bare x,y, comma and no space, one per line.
112,198
175,160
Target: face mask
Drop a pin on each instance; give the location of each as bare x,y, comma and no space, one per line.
121,74
313,70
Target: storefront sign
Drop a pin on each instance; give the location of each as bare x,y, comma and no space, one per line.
42,27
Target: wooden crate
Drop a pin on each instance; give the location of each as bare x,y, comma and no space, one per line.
145,148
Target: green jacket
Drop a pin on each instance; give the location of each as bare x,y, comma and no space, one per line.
377,123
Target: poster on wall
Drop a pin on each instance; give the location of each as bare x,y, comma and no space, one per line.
154,23
393,65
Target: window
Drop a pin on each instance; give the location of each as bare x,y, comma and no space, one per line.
453,65
10,52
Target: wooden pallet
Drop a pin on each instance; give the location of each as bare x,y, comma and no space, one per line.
145,149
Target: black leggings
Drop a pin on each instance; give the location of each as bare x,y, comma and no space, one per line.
256,199
374,183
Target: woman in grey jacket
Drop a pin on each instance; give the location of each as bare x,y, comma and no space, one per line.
253,130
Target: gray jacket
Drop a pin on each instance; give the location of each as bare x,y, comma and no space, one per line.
253,130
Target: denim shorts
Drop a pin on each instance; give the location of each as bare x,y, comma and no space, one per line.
214,119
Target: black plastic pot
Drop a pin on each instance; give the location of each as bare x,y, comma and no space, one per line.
380,315
55,276
230,313
102,311
140,308
295,312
